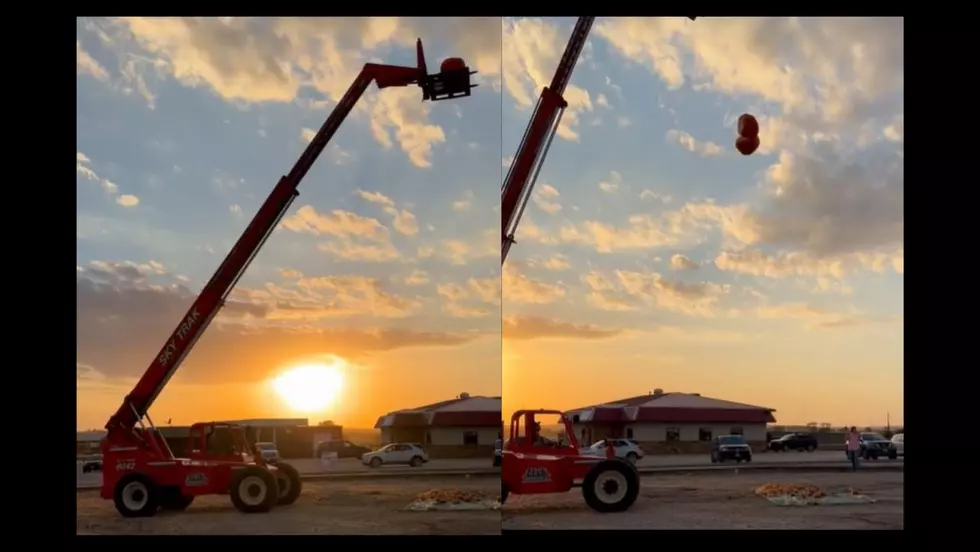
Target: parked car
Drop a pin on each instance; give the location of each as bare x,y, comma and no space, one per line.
497,447
794,441
898,446
92,465
269,451
396,453
874,446
344,449
730,447
626,449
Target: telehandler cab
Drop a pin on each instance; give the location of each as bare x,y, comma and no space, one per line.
534,465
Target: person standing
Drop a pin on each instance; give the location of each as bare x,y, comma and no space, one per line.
853,447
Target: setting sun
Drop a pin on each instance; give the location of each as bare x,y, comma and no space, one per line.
311,387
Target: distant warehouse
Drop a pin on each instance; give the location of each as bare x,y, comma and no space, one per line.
671,422
464,427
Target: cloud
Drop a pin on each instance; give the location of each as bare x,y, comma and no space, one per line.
520,328
357,238
84,169
128,200
628,290
85,64
518,288
691,144
243,59
125,310
403,221
681,262
546,198
417,278
611,185
531,51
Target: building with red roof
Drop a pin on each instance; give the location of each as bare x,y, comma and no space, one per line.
678,422
465,426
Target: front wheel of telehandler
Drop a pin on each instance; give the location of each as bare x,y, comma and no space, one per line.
254,490
611,486
136,496
290,485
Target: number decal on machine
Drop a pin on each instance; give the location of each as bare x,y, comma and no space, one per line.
196,480
125,465
536,475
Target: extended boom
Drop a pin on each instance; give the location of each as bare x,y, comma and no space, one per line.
453,81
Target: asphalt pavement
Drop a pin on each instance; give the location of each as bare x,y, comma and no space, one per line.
352,467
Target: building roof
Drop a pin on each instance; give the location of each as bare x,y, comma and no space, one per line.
463,411
673,407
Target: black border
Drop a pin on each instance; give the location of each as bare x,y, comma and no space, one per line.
942,396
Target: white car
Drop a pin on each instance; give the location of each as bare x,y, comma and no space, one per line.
269,452
898,444
396,453
626,449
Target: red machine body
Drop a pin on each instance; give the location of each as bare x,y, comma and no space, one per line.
531,465
135,455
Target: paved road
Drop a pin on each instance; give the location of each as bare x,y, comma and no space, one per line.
353,466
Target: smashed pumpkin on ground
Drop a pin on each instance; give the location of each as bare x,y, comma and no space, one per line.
788,494
452,496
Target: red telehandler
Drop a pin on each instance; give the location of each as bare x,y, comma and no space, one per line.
140,472
608,485
531,465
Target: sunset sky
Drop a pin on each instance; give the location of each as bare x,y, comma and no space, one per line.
389,257
653,256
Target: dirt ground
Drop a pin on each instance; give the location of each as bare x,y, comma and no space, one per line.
719,501
375,506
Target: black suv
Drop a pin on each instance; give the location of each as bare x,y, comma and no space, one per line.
874,446
730,447
794,441
344,449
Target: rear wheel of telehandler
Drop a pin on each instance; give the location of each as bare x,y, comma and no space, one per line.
254,490
136,496
611,486
171,499
289,483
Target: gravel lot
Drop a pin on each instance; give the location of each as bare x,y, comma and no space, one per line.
375,506
720,501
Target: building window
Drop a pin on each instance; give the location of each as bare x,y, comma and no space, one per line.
736,431
673,434
471,438
629,433
704,434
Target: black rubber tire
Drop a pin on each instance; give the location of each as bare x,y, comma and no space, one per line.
415,462
632,457
375,462
892,455
714,460
172,500
749,459
622,468
811,448
149,490
289,483
504,491
249,476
